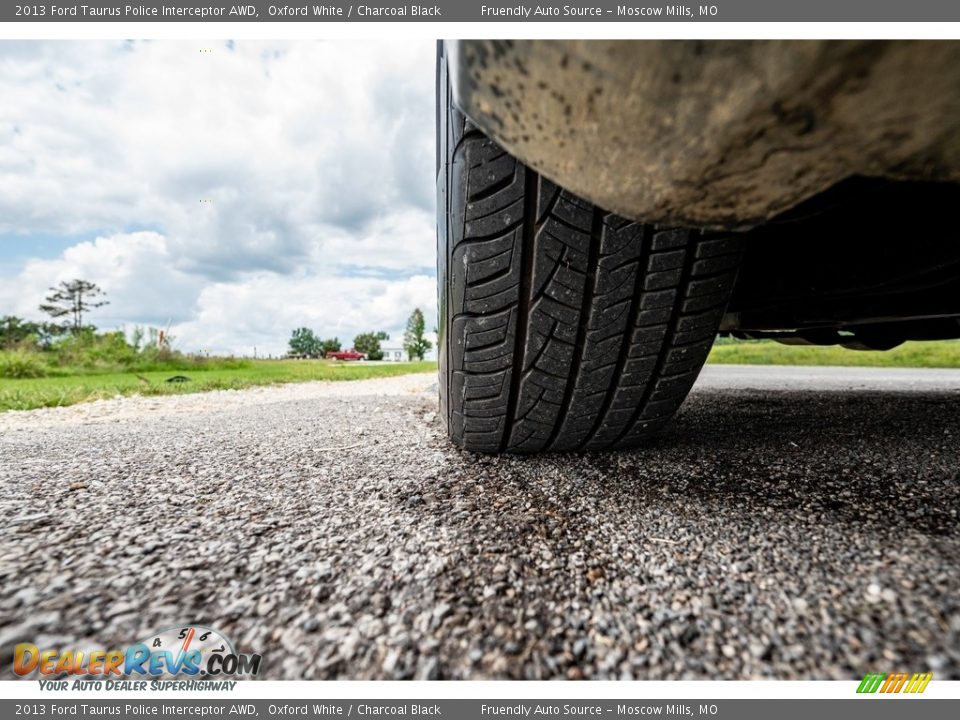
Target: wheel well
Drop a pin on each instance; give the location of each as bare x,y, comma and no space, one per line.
868,263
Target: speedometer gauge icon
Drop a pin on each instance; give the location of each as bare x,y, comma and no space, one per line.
197,642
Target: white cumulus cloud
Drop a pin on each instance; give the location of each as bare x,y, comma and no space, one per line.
235,189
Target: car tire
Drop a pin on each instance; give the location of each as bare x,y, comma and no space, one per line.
561,327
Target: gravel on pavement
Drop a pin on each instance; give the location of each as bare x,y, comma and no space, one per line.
792,523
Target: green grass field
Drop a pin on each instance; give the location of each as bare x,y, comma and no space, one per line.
83,384
70,385
934,354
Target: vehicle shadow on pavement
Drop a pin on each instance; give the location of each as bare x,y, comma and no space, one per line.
858,454
765,534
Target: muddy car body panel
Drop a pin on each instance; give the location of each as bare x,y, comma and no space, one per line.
724,134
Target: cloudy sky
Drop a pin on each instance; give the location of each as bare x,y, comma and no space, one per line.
234,189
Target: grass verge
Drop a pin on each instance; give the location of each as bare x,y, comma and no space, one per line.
83,385
71,385
933,354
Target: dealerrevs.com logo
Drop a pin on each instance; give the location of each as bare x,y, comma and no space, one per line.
190,651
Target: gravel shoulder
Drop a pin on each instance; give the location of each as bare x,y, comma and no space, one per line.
785,526
140,407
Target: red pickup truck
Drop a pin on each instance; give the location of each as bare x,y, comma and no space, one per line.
345,355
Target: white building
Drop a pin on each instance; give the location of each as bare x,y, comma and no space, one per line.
393,352
393,349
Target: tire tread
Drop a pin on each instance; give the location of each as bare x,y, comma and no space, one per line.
568,328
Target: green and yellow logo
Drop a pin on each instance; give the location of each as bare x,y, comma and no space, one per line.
895,683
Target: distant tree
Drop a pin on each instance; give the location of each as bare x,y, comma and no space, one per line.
17,331
136,337
329,345
304,342
414,341
14,330
369,344
73,300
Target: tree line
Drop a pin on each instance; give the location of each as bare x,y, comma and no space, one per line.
34,349
67,303
305,342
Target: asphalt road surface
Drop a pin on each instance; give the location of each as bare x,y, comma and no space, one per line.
793,523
